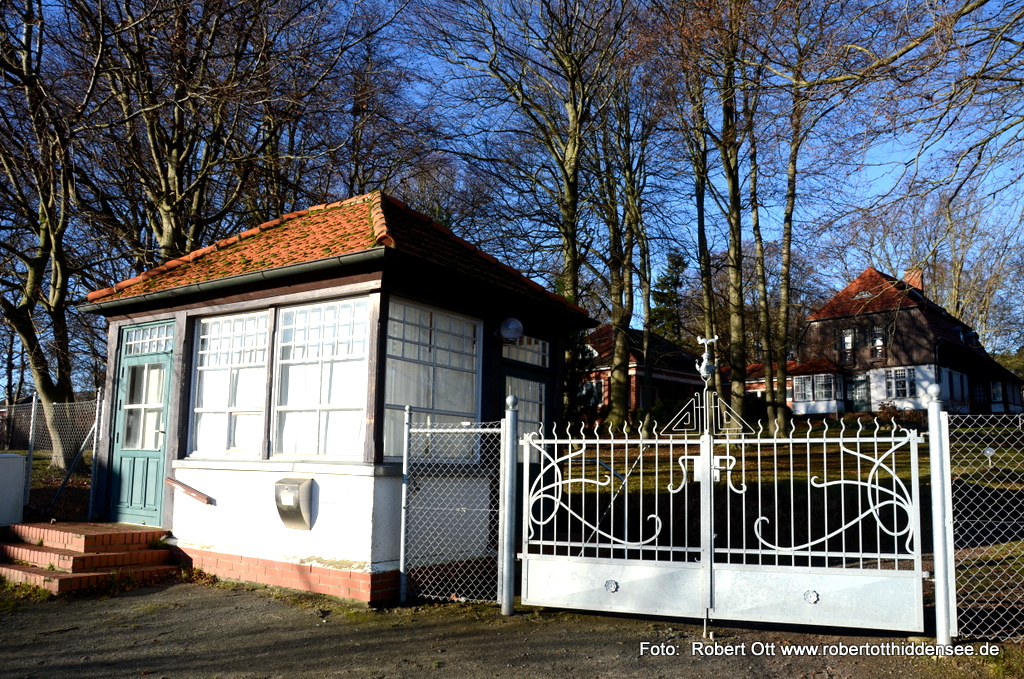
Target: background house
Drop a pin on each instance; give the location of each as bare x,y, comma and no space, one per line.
291,351
672,372
880,341
817,396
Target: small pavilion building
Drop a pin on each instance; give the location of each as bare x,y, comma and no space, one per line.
289,353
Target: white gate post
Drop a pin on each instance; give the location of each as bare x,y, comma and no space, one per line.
507,508
403,585
945,575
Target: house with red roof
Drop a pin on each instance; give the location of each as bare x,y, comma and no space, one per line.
881,342
828,402
288,353
670,370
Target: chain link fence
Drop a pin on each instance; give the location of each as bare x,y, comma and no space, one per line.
987,470
450,540
62,430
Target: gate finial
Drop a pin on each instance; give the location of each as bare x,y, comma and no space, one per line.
705,367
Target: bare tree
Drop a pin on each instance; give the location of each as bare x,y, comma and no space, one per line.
44,247
619,161
204,103
536,72
968,244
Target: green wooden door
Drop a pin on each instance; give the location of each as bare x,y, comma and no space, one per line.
140,441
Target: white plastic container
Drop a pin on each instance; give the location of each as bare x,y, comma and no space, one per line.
12,488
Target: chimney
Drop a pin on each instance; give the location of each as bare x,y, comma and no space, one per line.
914,277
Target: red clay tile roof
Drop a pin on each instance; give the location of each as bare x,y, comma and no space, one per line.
755,371
362,223
869,292
665,355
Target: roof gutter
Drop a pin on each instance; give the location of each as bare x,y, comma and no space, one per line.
217,284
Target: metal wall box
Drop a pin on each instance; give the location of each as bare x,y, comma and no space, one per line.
293,498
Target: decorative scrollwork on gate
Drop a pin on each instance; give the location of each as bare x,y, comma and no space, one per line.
546,501
895,495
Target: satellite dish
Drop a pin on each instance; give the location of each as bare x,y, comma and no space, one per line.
511,329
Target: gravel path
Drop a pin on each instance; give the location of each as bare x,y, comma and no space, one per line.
190,630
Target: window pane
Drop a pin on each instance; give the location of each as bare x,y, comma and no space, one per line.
155,383
300,384
319,335
211,432
297,433
212,390
408,384
136,384
246,431
249,388
152,428
431,366
343,433
132,428
454,391
345,384
232,377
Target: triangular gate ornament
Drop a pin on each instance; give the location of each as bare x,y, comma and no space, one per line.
696,418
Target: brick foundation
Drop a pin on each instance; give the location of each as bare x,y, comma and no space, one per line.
371,588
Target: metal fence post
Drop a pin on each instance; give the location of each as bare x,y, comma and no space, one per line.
95,443
31,448
507,508
403,584
941,515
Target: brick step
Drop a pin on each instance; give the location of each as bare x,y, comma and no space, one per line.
87,537
76,562
58,582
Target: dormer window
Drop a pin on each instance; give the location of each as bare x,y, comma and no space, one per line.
863,294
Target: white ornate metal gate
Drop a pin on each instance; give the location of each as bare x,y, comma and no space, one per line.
706,520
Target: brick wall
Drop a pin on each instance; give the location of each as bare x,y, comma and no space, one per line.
368,587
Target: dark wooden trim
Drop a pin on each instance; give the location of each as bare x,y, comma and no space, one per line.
377,328
348,286
102,457
188,490
269,394
178,410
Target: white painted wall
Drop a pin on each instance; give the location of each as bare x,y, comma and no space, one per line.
924,376
355,514
815,407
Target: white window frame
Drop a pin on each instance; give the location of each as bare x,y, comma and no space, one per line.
824,387
527,350
148,339
900,383
247,349
329,343
144,426
532,395
426,337
878,341
847,345
803,388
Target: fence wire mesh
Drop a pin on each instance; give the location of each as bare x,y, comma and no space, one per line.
452,512
987,470
63,431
